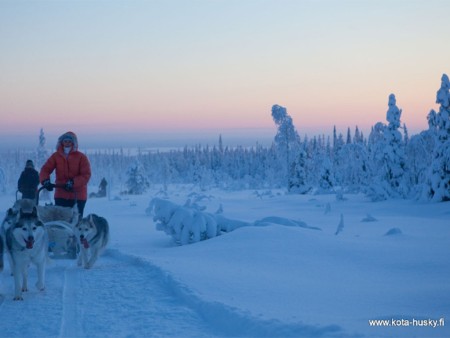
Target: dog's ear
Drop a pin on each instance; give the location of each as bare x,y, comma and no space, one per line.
11,212
34,212
91,221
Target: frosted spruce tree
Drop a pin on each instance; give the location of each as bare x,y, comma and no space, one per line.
395,161
387,156
287,142
338,161
326,179
352,167
2,180
437,186
298,182
137,182
419,154
42,154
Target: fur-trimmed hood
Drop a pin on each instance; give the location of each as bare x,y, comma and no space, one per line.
68,135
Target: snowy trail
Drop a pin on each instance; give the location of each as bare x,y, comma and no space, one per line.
129,296
123,296
141,303
70,321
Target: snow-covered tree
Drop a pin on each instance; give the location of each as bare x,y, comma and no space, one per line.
137,182
286,139
349,136
326,179
2,180
437,186
358,138
42,153
395,151
353,170
298,182
406,134
387,155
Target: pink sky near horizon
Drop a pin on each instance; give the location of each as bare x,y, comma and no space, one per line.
187,66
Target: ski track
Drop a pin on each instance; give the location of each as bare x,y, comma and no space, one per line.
70,321
162,307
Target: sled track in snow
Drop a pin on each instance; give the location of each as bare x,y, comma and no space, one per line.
223,320
119,297
124,296
70,319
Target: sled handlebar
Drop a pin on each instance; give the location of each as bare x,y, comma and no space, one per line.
52,185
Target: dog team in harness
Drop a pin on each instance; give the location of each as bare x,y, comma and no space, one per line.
30,232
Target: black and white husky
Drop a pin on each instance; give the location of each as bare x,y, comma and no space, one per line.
8,221
26,242
92,233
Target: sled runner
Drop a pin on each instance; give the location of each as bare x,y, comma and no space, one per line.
59,222
62,241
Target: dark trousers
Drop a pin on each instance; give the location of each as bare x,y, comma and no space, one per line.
70,203
30,194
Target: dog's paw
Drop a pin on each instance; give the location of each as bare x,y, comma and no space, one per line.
88,266
40,287
24,289
18,298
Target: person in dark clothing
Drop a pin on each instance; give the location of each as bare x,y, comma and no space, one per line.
102,188
28,181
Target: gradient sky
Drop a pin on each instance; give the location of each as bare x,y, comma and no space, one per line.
196,67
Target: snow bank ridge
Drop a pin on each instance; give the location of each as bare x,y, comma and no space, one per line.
185,224
190,224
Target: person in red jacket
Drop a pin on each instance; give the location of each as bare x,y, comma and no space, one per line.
73,172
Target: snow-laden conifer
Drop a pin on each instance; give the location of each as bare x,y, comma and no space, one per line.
287,141
42,153
387,156
137,182
437,186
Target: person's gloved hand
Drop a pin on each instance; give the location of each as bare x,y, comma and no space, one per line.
69,185
47,185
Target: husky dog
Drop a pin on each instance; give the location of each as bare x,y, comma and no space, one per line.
92,234
10,219
2,245
27,242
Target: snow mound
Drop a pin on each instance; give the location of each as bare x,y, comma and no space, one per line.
188,224
184,223
369,218
227,225
261,195
393,231
283,221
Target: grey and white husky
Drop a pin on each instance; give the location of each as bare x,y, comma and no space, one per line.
26,242
8,221
92,233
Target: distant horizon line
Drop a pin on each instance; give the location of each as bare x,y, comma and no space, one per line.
231,137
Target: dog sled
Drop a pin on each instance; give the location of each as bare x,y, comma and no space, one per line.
59,222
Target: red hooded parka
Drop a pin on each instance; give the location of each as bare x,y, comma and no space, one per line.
74,165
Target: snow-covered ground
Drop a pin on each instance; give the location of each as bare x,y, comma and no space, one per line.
268,280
